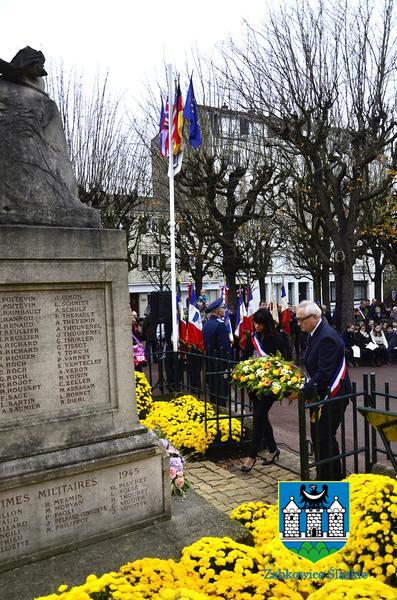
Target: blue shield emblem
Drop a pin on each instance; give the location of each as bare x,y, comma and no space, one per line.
313,517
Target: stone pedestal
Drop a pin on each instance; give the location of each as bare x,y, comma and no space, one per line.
76,465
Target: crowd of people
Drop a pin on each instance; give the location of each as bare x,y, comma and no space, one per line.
370,340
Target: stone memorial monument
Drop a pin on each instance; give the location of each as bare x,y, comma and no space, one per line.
75,465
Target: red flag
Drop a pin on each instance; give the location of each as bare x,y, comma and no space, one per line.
285,317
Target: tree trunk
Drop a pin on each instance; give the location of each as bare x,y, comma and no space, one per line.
230,275
317,287
378,282
198,283
325,295
262,289
344,292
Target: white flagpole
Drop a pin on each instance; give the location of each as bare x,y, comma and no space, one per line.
172,209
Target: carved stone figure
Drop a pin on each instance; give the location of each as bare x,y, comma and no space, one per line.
37,184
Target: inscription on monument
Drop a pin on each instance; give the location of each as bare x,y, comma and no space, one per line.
65,510
33,378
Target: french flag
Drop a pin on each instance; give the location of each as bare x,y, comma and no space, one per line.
241,315
285,317
179,312
252,308
194,328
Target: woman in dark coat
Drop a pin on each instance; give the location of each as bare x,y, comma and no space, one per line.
265,340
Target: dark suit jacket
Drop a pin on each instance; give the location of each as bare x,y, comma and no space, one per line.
216,339
325,350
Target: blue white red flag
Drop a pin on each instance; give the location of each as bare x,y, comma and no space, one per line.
285,316
228,325
182,325
241,315
224,298
163,130
195,328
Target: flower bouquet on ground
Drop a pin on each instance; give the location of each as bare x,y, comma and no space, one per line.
179,483
270,375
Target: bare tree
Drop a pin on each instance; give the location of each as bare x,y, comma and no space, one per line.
322,82
111,165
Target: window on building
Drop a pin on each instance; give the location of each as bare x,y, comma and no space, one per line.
244,126
291,292
303,291
360,290
150,262
151,225
214,121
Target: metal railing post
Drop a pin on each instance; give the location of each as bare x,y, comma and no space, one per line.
366,425
374,440
304,454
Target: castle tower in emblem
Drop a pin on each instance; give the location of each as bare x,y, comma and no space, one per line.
291,519
314,518
336,519
319,522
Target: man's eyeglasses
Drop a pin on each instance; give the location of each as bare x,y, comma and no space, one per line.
304,318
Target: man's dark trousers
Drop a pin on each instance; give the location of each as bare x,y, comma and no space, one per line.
325,444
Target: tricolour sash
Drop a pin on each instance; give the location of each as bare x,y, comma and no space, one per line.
258,346
334,387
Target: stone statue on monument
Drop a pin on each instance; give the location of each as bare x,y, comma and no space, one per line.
37,184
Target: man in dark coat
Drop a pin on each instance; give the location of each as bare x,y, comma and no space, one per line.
218,351
324,365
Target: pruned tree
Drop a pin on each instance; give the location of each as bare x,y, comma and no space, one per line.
111,165
321,79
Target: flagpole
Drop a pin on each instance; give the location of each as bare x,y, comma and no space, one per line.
172,209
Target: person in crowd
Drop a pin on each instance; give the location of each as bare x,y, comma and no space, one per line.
391,338
324,365
349,337
202,307
218,351
371,325
363,309
393,315
358,316
263,304
378,316
265,340
362,340
326,313
136,327
378,338
371,308
149,331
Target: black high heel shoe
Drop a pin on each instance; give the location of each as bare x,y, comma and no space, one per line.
272,460
245,469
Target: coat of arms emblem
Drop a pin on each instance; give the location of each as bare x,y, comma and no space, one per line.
314,517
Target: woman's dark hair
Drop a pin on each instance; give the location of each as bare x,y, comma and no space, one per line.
264,317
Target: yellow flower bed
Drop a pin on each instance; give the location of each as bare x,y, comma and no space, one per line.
144,399
150,575
372,544
222,569
372,589
181,421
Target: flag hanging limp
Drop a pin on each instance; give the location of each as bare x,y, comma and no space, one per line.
191,114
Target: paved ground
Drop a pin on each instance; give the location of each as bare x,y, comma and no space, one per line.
225,486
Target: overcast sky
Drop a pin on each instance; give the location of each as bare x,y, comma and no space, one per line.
131,38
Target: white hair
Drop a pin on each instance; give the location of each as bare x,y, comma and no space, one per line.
311,308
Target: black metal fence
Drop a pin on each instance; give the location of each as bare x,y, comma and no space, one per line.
208,378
